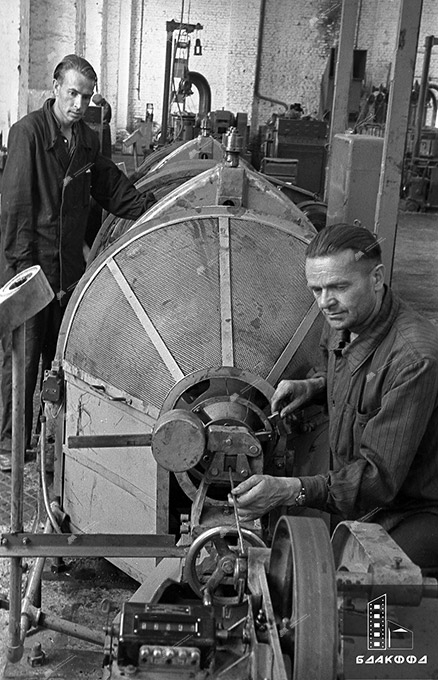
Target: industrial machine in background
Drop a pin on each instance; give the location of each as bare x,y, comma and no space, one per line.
293,154
420,171
293,145
354,179
305,140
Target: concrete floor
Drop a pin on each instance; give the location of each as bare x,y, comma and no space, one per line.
415,274
78,596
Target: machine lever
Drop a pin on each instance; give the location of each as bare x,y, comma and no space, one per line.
236,514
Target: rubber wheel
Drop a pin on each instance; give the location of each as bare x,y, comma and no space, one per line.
303,591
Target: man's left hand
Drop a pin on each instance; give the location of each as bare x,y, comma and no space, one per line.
261,493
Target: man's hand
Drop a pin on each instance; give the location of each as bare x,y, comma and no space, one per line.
86,250
291,394
261,493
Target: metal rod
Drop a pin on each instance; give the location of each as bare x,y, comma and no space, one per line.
18,434
99,441
69,628
236,514
166,91
49,512
33,585
15,646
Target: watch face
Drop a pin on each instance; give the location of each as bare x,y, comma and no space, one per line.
301,498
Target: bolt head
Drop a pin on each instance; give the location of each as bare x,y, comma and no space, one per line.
228,566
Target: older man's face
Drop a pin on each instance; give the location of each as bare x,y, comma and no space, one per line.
348,289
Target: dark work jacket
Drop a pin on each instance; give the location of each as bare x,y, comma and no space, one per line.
46,198
382,395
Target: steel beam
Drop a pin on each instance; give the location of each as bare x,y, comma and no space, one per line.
343,75
402,74
29,545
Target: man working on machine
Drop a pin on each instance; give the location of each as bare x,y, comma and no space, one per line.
54,164
380,378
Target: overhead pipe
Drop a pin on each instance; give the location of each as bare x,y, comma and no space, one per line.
201,84
257,93
171,26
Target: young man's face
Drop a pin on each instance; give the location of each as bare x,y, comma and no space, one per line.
72,97
348,289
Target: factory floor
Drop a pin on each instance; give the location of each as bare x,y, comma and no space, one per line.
78,593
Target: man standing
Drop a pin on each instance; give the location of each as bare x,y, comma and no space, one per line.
53,166
379,375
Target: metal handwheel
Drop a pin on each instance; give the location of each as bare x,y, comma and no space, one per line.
215,567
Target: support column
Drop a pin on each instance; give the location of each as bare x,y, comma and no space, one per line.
343,75
14,73
96,42
124,63
81,18
402,75
23,80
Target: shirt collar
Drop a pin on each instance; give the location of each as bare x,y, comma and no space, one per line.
58,124
54,129
358,351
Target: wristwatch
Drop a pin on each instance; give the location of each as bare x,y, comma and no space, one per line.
301,498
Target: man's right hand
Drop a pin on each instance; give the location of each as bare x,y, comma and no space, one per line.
291,394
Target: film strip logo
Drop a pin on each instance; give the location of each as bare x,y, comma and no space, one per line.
376,623
382,633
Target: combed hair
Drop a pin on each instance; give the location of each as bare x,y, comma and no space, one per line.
72,61
339,237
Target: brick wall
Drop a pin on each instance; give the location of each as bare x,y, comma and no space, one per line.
52,36
378,34
126,42
228,38
9,52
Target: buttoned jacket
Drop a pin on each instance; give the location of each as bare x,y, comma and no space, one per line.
382,399
46,197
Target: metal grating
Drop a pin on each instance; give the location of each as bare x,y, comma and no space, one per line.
177,282
108,341
306,356
171,275
270,297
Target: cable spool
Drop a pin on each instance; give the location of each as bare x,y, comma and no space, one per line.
26,294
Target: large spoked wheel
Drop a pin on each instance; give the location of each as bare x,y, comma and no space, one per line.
303,591
214,559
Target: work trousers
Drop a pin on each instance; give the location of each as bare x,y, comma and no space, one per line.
417,536
40,343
